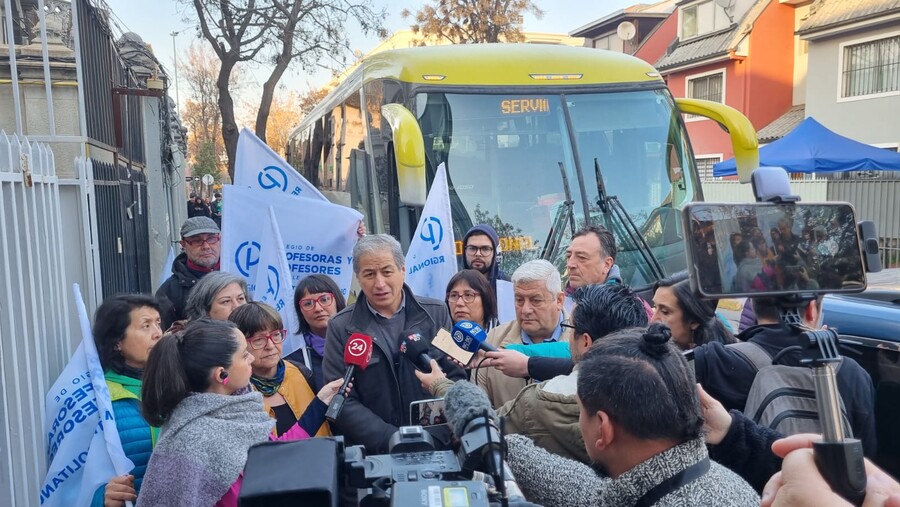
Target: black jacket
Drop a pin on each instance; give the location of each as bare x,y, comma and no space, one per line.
379,401
174,291
727,377
747,451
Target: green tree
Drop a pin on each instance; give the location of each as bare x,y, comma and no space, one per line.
206,162
472,21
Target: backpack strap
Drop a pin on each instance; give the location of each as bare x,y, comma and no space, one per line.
753,354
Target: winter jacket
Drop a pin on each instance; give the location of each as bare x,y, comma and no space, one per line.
495,273
379,401
173,293
546,413
747,451
554,481
499,387
298,394
137,437
727,377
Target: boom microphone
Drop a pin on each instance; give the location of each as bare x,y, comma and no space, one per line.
415,350
357,354
474,422
471,337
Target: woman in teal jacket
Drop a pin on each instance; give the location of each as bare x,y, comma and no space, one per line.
126,327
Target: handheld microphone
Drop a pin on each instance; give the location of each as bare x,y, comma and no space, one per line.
415,350
357,354
474,422
470,337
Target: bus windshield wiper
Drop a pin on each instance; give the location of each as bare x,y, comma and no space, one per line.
566,210
611,206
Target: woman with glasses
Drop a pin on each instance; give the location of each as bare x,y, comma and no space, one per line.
470,297
287,387
316,299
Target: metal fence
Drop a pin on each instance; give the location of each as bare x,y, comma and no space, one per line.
34,320
878,201
121,196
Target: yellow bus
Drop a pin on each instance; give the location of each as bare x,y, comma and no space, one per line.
537,140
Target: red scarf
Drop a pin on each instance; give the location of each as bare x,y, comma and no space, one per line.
202,269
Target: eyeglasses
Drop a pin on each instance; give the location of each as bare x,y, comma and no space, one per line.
567,323
483,250
212,239
310,303
258,341
467,297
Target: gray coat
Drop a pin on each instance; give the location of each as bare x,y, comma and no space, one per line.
551,480
379,401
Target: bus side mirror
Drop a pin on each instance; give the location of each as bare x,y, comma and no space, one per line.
409,153
743,135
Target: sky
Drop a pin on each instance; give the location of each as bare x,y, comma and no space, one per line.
155,20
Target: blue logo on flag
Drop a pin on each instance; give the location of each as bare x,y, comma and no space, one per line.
273,177
246,256
432,225
274,285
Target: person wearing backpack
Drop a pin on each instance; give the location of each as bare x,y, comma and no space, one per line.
729,374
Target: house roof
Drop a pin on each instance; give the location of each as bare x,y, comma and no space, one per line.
782,125
656,10
831,13
713,44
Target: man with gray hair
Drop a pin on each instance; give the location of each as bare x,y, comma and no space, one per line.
537,290
200,241
388,311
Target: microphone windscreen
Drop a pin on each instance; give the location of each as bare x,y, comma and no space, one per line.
463,402
358,350
468,335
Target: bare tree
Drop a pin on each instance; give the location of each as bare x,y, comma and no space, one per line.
275,34
472,21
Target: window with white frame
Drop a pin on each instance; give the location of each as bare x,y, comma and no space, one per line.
871,68
705,167
708,87
702,18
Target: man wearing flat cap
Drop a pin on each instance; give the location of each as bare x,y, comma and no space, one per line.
200,241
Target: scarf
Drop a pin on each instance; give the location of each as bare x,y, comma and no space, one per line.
202,449
268,386
199,270
316,342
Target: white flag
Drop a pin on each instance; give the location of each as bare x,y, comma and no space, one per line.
318,236
167,268
273,284
83,448
431,259
258,166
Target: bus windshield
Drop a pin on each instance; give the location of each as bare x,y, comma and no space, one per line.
503,154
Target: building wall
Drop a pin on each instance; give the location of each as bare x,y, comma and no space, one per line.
654,46
707,138
862,119
801,62
770,64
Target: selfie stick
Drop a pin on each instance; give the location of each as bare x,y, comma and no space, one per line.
839,459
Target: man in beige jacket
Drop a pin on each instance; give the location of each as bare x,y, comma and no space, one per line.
537,289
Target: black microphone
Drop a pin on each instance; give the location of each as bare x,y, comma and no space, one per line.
415,349
474,422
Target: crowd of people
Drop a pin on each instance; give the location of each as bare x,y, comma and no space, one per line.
602,404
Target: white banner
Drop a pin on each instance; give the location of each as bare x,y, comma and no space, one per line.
84,452
318,235
273,284
166,269
257,166
431,259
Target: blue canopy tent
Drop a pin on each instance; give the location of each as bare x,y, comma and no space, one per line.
812,148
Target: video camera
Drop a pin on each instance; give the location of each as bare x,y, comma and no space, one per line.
322,471
792,253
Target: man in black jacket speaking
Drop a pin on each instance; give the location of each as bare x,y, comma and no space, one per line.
386,310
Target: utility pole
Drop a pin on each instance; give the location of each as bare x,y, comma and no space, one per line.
175,57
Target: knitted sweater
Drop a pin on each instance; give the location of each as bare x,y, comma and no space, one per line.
551,481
